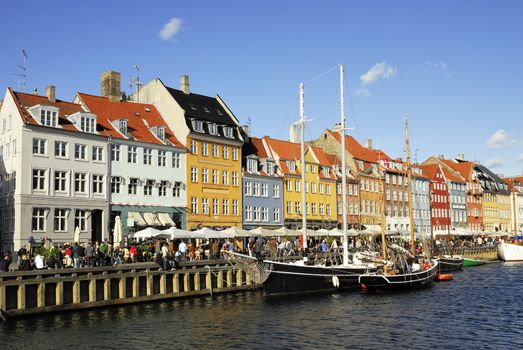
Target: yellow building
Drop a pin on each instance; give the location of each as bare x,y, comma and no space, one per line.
214,140
371,200
320,184
505,212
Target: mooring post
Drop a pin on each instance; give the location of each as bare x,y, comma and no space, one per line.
219,280
107,287
163,283
59,292
176,283
196,281
239,278
149,279
40,295
76,291
21,296
229,278
92,287
121,288
136,285
186,284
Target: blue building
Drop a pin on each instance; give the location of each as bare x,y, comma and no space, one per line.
262,187
420,203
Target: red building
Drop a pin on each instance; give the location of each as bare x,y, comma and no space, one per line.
439,198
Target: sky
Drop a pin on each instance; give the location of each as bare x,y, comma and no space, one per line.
455,67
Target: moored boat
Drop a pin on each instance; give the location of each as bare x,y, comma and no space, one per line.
510,252
450,263
467,262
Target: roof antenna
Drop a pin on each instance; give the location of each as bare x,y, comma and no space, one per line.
23,73
416,156
136,81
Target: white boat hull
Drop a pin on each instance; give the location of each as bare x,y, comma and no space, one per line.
510,252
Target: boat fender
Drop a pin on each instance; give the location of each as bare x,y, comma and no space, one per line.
336,281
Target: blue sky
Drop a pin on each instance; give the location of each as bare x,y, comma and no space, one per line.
454,66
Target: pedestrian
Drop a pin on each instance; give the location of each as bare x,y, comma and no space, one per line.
4,264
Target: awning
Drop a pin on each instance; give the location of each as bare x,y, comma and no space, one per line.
152,219
165,219
138,219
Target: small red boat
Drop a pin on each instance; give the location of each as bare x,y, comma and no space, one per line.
444,277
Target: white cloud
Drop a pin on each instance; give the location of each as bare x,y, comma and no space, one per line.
170,29
500,140
441,66
495,163
377,71
520,158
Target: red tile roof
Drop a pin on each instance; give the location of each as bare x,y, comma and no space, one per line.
430,170
140,118
450,176
464,168
258,147
284,149
358,151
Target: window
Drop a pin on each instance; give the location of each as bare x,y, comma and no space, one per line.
162,156
60,181
313,187
265,214
115,153
276,191
80,182
256,191
235,178
48,118
162,190
289,207
160,132
225,207
297,186
133,186
215,176
147,156
116,182
98,184
288,185
87,124
122,126
194,174
148,188
80,219
234,153
194,205
292,166
215,206
213,129
328,189
39,179
205,149
131,154
248,213
225,177
265,190
80,151
269,168
228,132
39,146
225,152
98,154
38,222
234,207
197,125
325,171
252,165
215,151
60,220
60,149
314,209
194,147
248,188
297,207
205,175
276,215
256,214
205,206
328,208
322,208
176,160
177,189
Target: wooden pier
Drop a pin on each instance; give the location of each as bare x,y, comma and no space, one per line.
25,293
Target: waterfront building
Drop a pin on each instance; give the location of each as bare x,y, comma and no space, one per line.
420,188
212,135
147,162
320,184
54,171
516,189
496,200
439,198
262,187
396,195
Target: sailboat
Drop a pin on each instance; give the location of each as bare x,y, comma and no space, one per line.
303,276
400,274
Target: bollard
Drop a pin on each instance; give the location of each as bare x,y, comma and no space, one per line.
149,285
121,288
40,295
59,291
219,282
176,283
107,288
136,286
92,288
186,284
3,304
239,278
163,284
229,278
21,297
197,281
76,292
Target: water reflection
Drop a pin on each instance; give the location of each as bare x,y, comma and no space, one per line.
480,308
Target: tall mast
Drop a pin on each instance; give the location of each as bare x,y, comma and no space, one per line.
409,186
382,185
303,167
343,173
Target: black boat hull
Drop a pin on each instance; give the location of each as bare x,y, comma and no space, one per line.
450,264
292,279
410,281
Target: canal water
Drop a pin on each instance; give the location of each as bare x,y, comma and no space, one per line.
481,309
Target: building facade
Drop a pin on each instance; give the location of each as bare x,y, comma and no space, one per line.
439,199
496,200
516,189
420,202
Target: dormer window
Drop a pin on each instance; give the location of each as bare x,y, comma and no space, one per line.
160,132
122,126
197,125
213,129
325,171
228,132
291,165
269,168
87,124
252,165
48,117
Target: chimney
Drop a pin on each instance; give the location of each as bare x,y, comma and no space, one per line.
35,92
111,85
294,133
246,129
368,143
50,93
184,84
441,156
460,156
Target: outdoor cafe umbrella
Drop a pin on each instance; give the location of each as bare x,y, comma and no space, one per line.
117,233
76,238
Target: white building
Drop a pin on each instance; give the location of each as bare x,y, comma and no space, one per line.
53,171
147,168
